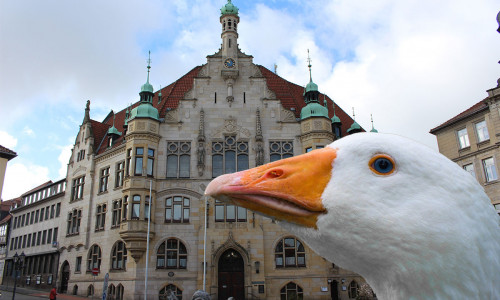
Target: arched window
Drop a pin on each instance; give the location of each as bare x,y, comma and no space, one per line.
90,290
169,290
292,291
94,258
171,254
178,159
353,289
229,156
280,150
119,256
119,292
75,289
111,292
289,253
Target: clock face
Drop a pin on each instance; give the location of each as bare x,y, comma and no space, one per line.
229,63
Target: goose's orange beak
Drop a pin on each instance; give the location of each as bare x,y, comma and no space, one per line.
289,189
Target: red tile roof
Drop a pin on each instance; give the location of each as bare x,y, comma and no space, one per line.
6,219
290,94
480,106
7,153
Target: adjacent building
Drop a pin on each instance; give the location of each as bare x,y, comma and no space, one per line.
5,156
34,231
472,140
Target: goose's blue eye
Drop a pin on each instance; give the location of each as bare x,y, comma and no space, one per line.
382,164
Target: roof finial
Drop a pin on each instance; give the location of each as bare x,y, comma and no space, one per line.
353,114
149,64
373,128
309,61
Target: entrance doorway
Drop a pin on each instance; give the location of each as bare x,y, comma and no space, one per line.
231,275
334,288
64,277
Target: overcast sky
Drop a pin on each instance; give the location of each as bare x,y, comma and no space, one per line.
413,64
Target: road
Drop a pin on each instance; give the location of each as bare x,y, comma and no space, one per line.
8,295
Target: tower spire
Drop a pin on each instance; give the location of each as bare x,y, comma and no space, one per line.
373,128
309,61
149,65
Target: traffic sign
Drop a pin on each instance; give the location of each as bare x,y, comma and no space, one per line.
95,271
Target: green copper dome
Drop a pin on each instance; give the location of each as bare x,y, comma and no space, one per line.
354,127
145,110
374,130
335,119
147,87
313,109
311,87
113,130
229,9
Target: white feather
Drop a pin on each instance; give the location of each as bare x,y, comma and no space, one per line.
427,231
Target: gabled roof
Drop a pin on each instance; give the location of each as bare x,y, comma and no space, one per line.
290,94
7,153
478,107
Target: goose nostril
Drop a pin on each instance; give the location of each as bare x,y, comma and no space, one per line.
274,173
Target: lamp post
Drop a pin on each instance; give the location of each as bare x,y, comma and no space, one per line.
18,265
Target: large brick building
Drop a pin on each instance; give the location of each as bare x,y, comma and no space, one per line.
472,140
152,161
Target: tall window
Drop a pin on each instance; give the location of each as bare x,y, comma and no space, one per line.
177,209
74,218
482,132
151,160
292,291
229,213
229,156
463,138
100,219
289,253
490,170
136,207
78,264
125,206
77,188
170,290
147,207
171,254
103,180
127,162
353,289
280,149
117,212
94,258
120,172
119,256
178,159
139,152
470,168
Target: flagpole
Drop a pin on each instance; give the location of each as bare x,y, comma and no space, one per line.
147,242
205,248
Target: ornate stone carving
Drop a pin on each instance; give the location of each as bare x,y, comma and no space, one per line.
230,127
141,126
230,99
204,71
318,125
200,151
259,151
287,116
269,94
172,116
257,73
79,169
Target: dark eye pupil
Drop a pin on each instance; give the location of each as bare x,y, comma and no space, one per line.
383,165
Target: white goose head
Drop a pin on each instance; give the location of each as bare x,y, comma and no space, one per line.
406,218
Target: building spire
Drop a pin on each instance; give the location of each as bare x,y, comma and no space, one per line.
373,128
149,65
309,61
86,118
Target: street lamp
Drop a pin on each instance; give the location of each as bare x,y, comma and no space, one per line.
18,265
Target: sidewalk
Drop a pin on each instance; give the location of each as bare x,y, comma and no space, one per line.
39,293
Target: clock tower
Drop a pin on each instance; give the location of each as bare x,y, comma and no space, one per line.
229,19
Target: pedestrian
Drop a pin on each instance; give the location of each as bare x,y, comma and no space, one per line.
53,294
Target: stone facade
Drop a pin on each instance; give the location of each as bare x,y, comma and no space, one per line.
226,115
472,140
